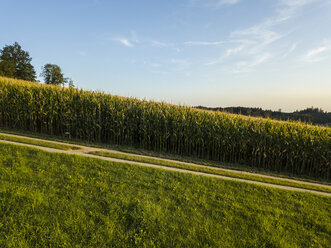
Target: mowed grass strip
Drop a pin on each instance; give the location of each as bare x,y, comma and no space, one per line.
163,162
60,200
38,142
167,156
216,171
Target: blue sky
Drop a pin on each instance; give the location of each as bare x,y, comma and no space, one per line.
269,53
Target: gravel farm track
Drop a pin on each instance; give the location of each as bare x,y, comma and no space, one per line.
86,150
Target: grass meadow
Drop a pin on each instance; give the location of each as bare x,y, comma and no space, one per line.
59,200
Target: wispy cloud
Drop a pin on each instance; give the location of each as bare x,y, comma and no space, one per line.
203,43
292,48
251,47
254,44
213,3
229,52
227,2
297,3
259,60
125,42
160,44
232,51
248,65
259,37
319,53
288,8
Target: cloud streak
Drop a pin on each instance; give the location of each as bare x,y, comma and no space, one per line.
203,43
213,3
248,65
227,2
251,47
297,3
292,48
128,42
319,53
125,42
253,43
229,52
258,37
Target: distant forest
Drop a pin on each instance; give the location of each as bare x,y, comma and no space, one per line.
311,115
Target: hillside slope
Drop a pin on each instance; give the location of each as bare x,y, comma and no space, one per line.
296,148
62,200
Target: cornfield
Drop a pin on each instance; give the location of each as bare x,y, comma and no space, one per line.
291,147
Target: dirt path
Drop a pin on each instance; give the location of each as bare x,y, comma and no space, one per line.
85,150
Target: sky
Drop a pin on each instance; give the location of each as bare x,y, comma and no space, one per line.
273,54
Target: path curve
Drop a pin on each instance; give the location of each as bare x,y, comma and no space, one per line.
88,149
84,152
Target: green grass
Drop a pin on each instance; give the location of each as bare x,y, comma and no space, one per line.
38,142
59,200
222,165
209,170
137,151
174,164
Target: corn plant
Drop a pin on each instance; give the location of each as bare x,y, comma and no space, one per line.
292,147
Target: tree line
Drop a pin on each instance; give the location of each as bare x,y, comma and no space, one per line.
16,63
310,115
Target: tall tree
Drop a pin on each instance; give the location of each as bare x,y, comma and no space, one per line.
16,63
52,74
